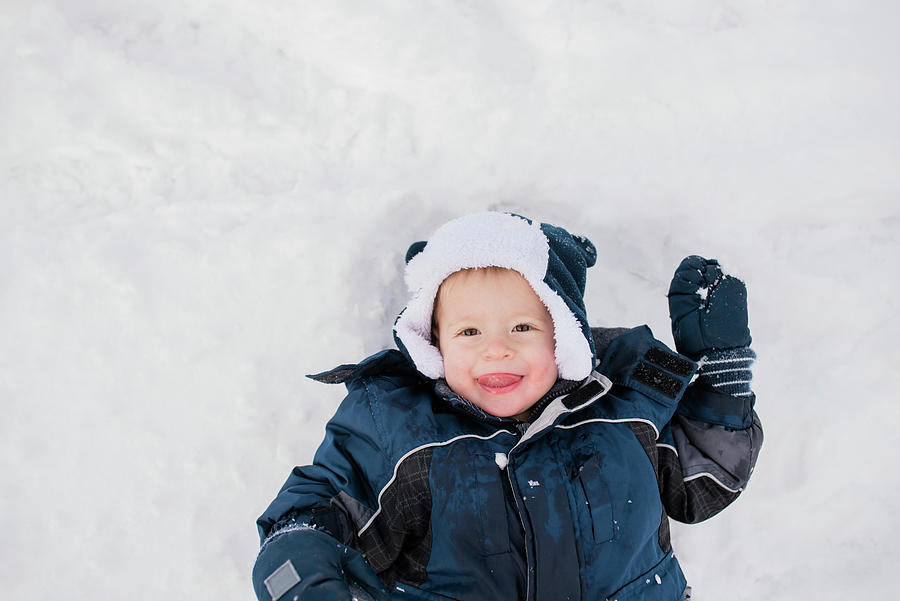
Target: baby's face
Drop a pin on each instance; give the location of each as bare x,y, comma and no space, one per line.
496,338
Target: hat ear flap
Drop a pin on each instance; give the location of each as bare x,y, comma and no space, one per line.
587,249
414,249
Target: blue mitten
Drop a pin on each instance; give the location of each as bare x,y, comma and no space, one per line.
309,565
708,308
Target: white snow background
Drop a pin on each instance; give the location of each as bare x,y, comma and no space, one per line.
202,201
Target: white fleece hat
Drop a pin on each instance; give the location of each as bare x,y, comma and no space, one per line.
552,261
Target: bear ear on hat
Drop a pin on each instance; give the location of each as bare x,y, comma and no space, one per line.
414,249
587,249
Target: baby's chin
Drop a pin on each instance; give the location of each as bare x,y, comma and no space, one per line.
501,397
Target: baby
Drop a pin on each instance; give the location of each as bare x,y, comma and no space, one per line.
505,450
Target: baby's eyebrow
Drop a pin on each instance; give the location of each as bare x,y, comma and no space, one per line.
463,318
457,324
473,320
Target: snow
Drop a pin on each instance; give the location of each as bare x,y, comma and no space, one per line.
501,460
200,202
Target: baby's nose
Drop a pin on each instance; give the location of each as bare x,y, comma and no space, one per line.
497,347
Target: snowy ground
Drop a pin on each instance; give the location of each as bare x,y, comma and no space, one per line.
202,201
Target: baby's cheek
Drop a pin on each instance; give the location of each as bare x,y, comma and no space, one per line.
549,371
454,371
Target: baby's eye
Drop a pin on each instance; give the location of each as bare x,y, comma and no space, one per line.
522,327
470,332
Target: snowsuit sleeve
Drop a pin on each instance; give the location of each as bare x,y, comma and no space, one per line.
340,483
344,488
706,453
705,448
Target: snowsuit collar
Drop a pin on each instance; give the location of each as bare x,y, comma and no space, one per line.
564,398
457,402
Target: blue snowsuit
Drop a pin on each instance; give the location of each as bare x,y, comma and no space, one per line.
447,502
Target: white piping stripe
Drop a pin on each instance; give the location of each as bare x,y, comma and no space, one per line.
714,479
614,421
729,382
725,371
701,475
411,452
660,445
734,360
742,394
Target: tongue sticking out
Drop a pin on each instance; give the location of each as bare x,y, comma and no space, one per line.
499,381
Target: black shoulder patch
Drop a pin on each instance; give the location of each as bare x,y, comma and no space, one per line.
670,361
338,375
576,398
387,362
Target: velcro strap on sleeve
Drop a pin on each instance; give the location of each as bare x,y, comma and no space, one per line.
663,371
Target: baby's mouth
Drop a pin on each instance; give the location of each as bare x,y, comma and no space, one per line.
499,383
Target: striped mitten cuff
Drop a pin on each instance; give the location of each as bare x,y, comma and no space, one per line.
728,371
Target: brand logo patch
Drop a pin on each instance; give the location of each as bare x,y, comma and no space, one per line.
281,580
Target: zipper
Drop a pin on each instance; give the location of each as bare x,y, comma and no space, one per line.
530,431
528,536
